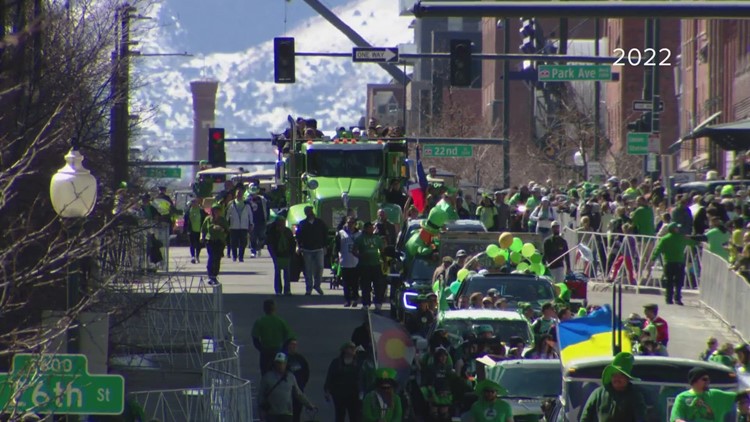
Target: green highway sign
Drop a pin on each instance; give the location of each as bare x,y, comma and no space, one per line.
638,143
61,385
574,72
163,172
447,151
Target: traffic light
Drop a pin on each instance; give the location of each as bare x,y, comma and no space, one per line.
461,63
643,124
528,36
283,61
217,157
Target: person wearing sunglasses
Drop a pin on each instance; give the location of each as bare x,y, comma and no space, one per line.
701,403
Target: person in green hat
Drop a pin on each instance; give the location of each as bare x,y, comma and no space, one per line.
383,404
672,249
489,408
616,398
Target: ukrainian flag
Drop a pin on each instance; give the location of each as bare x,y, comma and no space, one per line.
589,336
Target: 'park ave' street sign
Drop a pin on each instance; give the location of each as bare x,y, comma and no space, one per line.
574,72
61,385
375,54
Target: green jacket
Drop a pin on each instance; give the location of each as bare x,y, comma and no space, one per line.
373,412
709,406
215,232
606,404
672,248
643,220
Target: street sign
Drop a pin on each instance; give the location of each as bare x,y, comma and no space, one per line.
654,143
574,72
375,54
447,151
638,143
61,385
647,105
163,172
594,169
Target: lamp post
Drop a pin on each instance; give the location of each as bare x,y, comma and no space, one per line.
73,195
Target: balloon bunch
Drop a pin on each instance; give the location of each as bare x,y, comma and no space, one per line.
523,256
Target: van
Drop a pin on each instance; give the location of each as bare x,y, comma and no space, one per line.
661,380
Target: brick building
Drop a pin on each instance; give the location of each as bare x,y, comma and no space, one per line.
714,86
522,98
385,102
629,35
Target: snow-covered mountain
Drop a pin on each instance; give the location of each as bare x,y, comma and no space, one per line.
249,104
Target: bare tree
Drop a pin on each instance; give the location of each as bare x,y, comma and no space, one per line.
55,86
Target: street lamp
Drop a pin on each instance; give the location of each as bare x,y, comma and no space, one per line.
73,194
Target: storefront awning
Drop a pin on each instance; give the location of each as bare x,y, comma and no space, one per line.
734,136
675,147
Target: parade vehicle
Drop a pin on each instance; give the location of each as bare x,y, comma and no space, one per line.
514,288
338,178
416,278
461,323
528,384
709,187
660,380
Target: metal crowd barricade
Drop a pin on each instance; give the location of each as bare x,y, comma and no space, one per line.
726,292
598,253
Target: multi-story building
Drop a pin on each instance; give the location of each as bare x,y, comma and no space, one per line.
385,102
626,37
713,86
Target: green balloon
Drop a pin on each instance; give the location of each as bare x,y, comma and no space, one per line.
504,253
515,257
462,274
522,266
436,286
527,250
538,269
455,286
492,251
517,245
536,258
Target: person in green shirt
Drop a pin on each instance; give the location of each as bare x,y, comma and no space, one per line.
368,248
214,232
724,355
672,249
486,212
701,403
191,224
718,238
642,218
383,404
269,333
489,408
617,398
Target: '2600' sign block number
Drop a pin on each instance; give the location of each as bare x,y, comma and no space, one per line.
59,384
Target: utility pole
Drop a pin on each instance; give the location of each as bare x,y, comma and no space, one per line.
648,73
655,91
506,105
120,113
597,92
293,178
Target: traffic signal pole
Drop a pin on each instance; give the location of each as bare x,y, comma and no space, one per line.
698,9
506,109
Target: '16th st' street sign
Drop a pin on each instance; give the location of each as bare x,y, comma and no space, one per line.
61,385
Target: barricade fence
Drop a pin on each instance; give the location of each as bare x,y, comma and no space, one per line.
224,395
726,292
176,321
626,259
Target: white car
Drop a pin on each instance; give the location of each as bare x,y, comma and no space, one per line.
505,324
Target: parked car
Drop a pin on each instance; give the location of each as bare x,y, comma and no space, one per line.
514,288
506,324
660,380
706,187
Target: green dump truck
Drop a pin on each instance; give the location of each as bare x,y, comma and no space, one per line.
340,177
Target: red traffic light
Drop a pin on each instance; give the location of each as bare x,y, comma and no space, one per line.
217,136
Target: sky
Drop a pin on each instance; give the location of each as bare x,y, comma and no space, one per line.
244,22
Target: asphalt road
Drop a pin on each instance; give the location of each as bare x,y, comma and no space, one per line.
321,323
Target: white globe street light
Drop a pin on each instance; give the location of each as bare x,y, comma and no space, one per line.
73,188
578,159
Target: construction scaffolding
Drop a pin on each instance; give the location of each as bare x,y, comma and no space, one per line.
173,323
